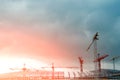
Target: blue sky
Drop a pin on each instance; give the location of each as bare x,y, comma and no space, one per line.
70,24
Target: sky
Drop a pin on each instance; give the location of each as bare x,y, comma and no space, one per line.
58,31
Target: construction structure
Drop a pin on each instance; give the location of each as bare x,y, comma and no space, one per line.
52,74
59,75
113,60
94,43
81,64
99,60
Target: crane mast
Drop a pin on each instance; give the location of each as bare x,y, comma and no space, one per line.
113,59
81,64
53,70
94,43
99,61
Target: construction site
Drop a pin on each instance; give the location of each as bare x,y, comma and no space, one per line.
97,74
59,39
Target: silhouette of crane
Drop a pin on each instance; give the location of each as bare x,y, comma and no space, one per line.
113,59
81,64
94,43
99,60
23,69
53,68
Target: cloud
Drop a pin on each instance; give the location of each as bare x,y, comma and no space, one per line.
71,24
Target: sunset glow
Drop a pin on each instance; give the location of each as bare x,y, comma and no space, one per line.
16,64
19,48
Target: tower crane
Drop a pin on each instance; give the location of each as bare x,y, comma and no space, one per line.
53,68
95,38
99,60
94,43
113,60
23,69
81,64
